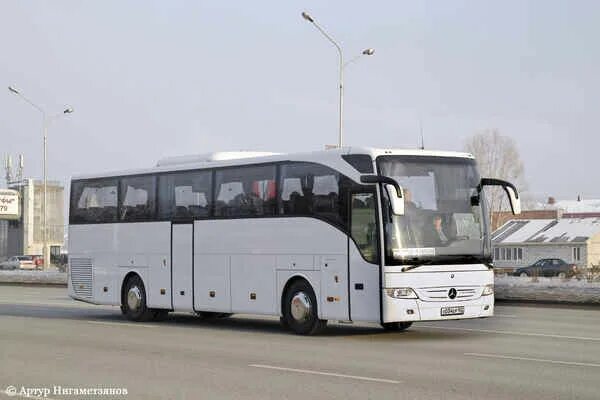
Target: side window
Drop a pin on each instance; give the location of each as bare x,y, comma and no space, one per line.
93,201
363,163
312,189
184,195
138,198
245,191
364,224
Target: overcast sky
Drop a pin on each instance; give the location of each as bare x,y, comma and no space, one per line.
154,79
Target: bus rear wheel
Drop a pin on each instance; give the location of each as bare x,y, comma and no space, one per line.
300,312
396,326
133,302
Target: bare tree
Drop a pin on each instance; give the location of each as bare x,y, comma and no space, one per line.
497,157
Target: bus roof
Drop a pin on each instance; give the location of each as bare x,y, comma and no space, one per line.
330,157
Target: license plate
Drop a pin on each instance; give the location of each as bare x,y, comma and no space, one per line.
456,310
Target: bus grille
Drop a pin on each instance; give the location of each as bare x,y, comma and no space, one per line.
81,276
441,293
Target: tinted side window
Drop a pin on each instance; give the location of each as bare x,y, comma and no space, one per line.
245,191
93,201
185,195
313,189
137,200
363,163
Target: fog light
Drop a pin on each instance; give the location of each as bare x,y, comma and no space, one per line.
410,312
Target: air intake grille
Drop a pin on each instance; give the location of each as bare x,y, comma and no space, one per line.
81,276
441,293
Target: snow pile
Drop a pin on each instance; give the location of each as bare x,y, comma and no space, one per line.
37,277
547,289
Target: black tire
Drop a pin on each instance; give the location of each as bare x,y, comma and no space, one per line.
284,323
141,312
396,326
524,275
309,323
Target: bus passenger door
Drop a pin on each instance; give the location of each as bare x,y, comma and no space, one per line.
363,257
182,237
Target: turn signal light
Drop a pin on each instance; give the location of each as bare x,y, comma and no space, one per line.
488,290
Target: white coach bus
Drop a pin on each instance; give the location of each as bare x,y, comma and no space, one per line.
352,234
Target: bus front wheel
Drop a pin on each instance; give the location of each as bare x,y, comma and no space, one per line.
396,326
300,309
133,302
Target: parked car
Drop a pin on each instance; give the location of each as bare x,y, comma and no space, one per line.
18,262
548,267
11,263
28,262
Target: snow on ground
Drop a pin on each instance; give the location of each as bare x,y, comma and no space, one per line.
52,277
547,289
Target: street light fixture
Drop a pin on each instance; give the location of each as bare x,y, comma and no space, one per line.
342,65
46,122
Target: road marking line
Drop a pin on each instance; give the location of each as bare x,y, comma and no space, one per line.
305,371
532,359
548,335
120,324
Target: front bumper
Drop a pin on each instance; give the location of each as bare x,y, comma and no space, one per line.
397,310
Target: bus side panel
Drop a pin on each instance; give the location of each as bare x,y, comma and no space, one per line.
93,265
211,282
334,285
260,247
364,287
146,246
116,249
253,284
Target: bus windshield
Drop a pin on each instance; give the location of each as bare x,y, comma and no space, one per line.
444,216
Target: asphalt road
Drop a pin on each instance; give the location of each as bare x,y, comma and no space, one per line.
525,352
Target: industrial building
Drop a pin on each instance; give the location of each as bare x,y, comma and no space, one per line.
24,236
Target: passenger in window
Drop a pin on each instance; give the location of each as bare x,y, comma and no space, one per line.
409,205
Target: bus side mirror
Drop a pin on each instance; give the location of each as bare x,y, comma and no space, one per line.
515,201
396,195
394,191
509,188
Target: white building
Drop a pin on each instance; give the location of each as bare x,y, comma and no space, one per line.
522,242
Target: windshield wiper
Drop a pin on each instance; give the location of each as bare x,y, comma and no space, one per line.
417,264
450,258
470,258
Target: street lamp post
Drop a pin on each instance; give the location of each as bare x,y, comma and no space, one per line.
46,122
342,65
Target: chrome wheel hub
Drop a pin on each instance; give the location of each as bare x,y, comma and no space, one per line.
301,307
134,298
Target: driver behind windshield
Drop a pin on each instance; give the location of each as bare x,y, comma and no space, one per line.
434,235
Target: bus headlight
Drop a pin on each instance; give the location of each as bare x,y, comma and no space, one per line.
488,290
401,293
